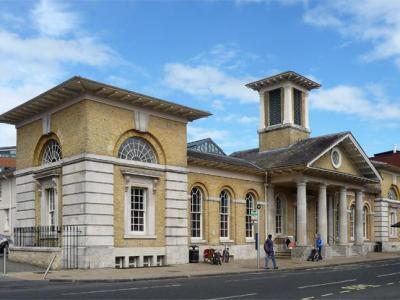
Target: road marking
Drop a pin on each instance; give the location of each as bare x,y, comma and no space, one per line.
328,283
308,298
390,274
256,278
125,289
326,295
342,292
390,283
233,297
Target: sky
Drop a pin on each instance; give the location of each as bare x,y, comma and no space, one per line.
202,53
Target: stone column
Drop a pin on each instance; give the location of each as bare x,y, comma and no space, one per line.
301,214
330,220
343,216
359,239
271,210
322,213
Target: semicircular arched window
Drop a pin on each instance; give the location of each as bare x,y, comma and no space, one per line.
137,149
52,152
392,195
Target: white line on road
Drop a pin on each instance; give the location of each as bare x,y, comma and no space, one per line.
255,278
233,297
125,289
328,283
390,274
342,292
390,283
326,295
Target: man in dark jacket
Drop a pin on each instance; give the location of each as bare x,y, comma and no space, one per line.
269,252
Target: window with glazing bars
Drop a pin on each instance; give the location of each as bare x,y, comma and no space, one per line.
278,216
297,97
224,214
352,220
275,116
138,209
365,222
249,208
195,212
51,205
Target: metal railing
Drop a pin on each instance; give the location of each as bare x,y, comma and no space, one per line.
38,236
63,237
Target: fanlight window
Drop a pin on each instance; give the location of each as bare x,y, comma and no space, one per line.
52,152
137,149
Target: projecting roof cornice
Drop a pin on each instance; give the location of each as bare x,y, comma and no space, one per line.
294,77
78,86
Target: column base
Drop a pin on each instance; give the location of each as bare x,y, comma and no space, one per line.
300,253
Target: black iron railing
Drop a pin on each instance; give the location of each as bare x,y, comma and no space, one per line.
38,236
63,237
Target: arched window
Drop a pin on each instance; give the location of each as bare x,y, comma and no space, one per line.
365,222
249,208
52,152
137,149
352,220
195,212
392,195
224,213
278,216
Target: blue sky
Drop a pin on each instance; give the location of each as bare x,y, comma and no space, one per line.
201,53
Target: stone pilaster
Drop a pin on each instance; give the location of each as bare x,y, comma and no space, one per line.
359,239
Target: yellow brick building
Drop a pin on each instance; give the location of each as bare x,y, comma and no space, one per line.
116,165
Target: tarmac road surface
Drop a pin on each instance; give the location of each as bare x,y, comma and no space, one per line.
370,280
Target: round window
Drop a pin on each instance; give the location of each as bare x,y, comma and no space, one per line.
336,158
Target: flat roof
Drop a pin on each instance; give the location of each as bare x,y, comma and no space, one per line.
284,76
79,86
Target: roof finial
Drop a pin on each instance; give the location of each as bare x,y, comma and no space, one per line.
395,148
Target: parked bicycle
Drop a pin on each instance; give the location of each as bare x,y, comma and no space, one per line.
212,256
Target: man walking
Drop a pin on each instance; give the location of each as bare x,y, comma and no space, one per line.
318,246
269,252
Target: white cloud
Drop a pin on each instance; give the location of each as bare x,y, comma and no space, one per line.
208,81
374,21
234,118
218,105
53,18
368,102
32,63
198,133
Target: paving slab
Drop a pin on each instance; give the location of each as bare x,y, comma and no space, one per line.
191,270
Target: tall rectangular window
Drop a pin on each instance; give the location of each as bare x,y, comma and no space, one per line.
297,97
224,214
138,209
275,109
51,206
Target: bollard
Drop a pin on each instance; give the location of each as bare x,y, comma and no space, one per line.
5,250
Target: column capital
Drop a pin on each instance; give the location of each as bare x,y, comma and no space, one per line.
343,188
301,182
322,185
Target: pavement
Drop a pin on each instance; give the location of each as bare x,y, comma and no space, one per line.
187,270
371,279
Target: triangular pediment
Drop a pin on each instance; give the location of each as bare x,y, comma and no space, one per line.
346,156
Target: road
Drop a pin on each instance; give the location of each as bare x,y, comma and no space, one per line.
373,280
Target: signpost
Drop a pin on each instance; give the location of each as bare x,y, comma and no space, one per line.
255,217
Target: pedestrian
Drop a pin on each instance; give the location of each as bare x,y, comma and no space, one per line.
269,252
318,245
